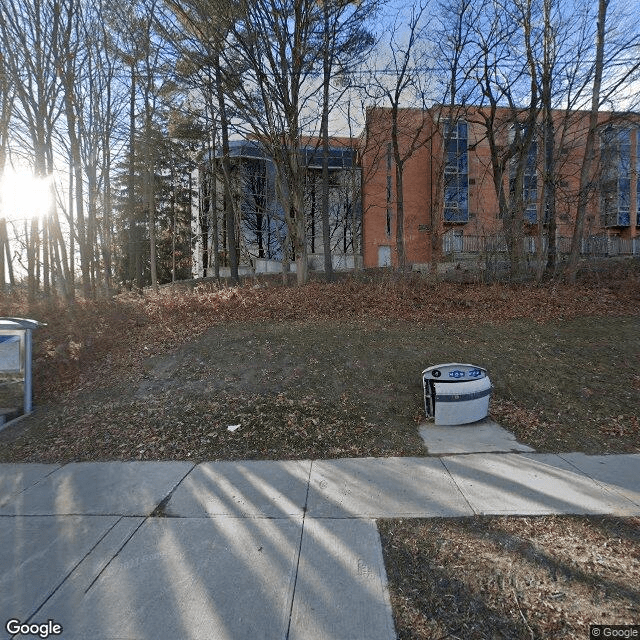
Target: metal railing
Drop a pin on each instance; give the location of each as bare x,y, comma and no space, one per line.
491,244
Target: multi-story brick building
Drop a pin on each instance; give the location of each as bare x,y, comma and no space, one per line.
451,199
451,202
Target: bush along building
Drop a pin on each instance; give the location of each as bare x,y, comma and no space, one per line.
495,182
260,232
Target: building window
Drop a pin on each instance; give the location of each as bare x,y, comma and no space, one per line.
615,177
529,179
456,172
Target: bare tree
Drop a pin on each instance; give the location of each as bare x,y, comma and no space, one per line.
69,60
508,83
607,71
402,81
276,43
206,27
345,43
106,106
6,107
29,34
455,85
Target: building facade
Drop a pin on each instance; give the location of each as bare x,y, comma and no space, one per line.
453,204
260,229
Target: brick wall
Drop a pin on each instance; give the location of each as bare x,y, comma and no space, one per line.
421,144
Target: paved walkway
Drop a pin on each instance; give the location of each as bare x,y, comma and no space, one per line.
254,550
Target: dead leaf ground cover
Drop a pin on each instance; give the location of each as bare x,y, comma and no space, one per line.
326,370
516,578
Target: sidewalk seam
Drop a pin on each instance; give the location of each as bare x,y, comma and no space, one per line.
115,555
159,508
601,483
15,494
295,578
86,555
473,511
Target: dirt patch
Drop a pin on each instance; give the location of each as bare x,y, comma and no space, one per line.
518,578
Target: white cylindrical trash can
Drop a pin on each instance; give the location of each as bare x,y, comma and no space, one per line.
456,393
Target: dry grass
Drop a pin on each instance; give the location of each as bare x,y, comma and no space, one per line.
305,369
511,577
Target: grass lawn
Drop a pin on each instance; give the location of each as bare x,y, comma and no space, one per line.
321,390
326,371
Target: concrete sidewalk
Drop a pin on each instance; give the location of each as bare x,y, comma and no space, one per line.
244,550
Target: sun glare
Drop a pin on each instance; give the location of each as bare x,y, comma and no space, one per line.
24,196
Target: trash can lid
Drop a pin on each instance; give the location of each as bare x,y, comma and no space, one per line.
20,323
454,372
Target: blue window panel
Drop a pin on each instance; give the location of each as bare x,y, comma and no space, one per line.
624,141
463,164
624,219
615,181
451,197
455,215
456,179
456,183
531,214
529,183
531,199
456,204
624,194
457,161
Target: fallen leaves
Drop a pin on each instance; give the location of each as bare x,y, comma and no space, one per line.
78,339
282,357
486,577
231,427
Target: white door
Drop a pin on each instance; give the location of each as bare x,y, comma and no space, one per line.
384,256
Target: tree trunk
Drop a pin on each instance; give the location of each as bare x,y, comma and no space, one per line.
7,248
399,162
134,247
74,146
226,170
326,66
299,240
32,257
548,215
3,242
92,224
106,222
72,240
150,195
213,215
589,148
151,220
45,257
